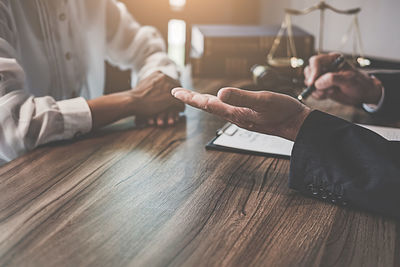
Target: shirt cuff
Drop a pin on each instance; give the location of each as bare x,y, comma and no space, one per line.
77,117
371,108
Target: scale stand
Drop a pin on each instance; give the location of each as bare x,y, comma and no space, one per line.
292,60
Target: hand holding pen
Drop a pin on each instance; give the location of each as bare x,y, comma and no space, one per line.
347,84
336,65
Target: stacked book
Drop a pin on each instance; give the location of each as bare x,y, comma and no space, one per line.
231,50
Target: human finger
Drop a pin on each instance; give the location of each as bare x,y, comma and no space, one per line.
331,79
341,97
320,95
160,119
307,73
242,98
209,103
171,118
318,65
150,121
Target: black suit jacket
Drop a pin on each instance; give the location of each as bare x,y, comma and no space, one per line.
340,162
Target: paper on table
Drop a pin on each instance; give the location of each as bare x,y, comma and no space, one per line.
392,134
238,138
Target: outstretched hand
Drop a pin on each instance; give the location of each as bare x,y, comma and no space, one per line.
262,111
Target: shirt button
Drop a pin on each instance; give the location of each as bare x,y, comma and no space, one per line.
62,17
68,56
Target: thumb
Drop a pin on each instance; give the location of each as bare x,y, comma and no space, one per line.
242,98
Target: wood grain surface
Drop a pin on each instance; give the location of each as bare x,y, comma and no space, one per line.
155,197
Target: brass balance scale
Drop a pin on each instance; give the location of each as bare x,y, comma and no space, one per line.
295,63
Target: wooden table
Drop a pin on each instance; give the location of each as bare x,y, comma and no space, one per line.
156,197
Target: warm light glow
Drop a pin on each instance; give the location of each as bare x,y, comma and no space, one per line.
363,62
296,62
258,70
177,4
177,41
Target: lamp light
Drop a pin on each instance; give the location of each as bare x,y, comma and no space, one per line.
177,4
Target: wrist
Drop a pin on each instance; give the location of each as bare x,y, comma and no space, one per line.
130,103
293,126
110,108
375,95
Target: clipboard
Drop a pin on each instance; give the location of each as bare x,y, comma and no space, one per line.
231,138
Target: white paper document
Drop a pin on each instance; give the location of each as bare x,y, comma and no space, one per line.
391,134
236,138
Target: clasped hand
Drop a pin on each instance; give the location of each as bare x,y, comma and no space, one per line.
153,102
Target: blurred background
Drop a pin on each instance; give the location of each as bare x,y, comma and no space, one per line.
174,19
378,23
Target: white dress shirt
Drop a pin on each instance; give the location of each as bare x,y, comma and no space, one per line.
52,55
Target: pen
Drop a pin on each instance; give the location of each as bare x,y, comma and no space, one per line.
222,130
335,66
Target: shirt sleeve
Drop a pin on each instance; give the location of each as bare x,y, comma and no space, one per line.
27,121
132,46
388,107
371,108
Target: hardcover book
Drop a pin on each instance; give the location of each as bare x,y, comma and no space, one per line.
231,50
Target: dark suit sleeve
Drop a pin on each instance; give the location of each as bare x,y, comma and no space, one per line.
391,103
346,164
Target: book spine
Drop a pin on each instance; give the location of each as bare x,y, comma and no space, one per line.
240,46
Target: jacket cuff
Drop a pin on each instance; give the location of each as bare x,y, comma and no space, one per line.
370,108
77,117
390,108
310,141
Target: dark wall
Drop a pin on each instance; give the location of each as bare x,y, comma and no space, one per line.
157,13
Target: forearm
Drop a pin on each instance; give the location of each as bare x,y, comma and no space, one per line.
110,108
27,121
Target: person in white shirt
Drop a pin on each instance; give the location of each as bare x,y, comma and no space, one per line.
52,57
